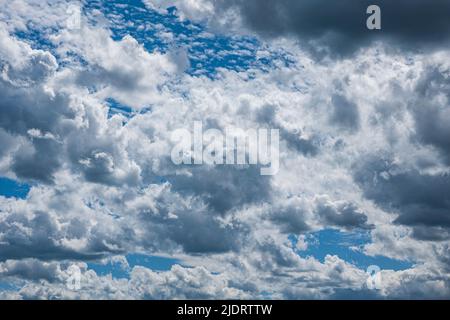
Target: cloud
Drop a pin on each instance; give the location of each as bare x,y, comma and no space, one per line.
38,230
345,113
21,86
341,214
420,199
363,146
31,270
178,283
337,29
169,220
430,112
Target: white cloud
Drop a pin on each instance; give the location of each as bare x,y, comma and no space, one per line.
104,188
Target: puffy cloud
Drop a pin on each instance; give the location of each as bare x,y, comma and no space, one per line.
341,214
35,15
363,145
36,228
122,70
188,9
31,270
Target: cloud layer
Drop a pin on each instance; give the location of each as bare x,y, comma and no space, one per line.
329,28
364,149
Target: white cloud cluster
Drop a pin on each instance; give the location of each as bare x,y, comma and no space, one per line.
358,151
190,9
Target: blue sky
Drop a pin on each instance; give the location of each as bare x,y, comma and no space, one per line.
11,188
206,51
349,247
117,270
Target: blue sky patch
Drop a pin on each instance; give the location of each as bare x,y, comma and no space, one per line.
207,52
347,246
116,107
13,189
163,32
117,270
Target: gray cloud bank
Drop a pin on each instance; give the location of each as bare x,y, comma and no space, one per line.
338,28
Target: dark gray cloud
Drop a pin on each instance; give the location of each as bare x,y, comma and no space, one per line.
431,112
201,233
431,233
421,200
30,269
290,218
43,240
345,114
346,215
24,106
7,141
174,221
308,147
39,242
339,27
224,187
38,162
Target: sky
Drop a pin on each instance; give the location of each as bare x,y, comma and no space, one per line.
88,103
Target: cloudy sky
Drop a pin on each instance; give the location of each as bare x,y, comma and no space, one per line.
87,108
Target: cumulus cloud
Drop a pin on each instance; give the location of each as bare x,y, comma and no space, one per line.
420,199
363,147
341,214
